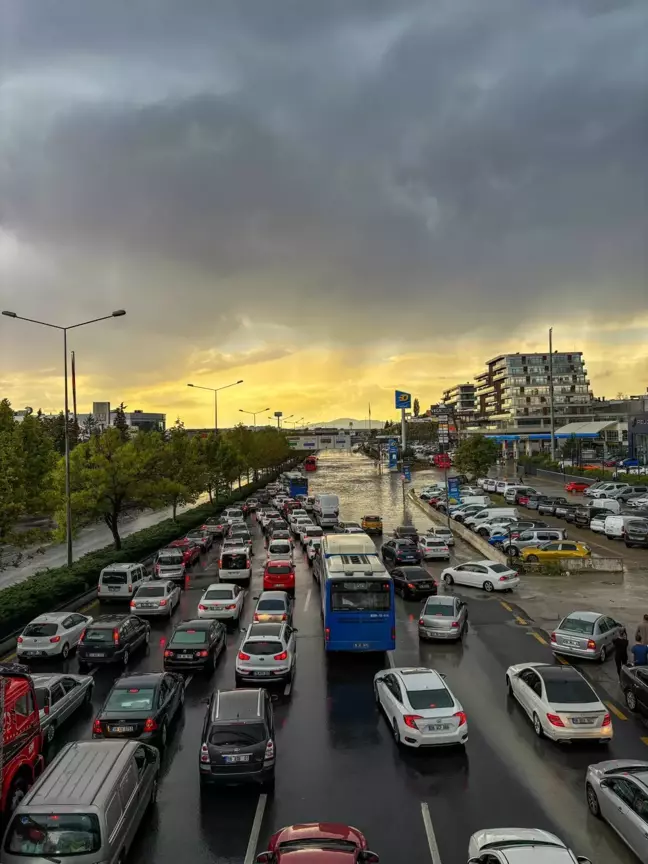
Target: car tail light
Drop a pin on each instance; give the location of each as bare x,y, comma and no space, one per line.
284,617
168,653
230,606
410,720
150,725
243,656
132,604
504,578
55,639
455,624
461,717
256,616
163,602
202,653
19,639
552,638
555,720
204,753
157,568
282,656
116,637
270,750
130,589
82,636
591,644
96,727
327,634
411,587
421,622
607,720
201,607
220,563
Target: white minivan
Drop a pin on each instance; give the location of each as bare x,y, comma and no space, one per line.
234,565
120,581
615,525
490,513
326,509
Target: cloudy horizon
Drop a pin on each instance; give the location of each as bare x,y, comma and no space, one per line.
329,201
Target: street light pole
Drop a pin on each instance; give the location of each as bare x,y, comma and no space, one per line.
552,418
118,313
254,414
215,391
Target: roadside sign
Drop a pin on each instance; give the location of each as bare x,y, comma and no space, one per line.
454,496
403,400
407,474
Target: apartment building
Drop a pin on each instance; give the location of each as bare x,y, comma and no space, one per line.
460,399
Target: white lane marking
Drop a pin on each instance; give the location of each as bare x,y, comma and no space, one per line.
308,598
188,680
250,853
390,658
435,855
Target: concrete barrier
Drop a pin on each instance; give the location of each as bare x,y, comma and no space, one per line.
486,551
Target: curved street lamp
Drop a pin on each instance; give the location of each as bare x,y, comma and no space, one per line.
215,391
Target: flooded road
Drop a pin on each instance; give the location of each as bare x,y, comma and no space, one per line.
336,758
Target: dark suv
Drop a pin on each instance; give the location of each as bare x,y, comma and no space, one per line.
112,639
238,739
406,532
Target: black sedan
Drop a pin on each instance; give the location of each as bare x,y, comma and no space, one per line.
195,645
634,683
141,706
400,552
413,583
548,506
406,532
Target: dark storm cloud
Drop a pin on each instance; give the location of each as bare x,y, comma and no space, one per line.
366,157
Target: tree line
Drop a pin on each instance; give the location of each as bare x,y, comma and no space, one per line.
113,472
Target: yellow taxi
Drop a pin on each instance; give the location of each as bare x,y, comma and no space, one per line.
372,524
556,549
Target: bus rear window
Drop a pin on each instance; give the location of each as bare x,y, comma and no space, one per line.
360,596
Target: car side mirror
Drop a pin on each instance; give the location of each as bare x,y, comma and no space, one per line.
295,630
265,858
368,857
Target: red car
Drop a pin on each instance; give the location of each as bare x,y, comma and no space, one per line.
190,550
279,575
318,843
576,486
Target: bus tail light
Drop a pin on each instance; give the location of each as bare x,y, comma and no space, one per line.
327,634
393,634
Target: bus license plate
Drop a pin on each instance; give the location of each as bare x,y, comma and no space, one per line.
360,644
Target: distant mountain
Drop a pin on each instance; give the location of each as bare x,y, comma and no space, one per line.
343,423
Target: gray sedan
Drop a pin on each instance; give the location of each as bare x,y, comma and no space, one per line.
585,634
617,791
159,599
443,616
59,697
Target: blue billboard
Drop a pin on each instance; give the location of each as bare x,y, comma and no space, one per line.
454,496
403,400
393,453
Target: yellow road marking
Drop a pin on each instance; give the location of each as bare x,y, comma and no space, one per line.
562,660
9,658
506,606
520,620
616,712
538,637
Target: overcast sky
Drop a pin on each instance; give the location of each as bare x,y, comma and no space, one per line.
326,199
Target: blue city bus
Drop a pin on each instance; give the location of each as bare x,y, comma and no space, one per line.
357,595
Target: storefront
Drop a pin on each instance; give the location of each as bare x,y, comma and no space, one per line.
638,438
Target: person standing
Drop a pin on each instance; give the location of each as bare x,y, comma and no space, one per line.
620,650
640,653
642,630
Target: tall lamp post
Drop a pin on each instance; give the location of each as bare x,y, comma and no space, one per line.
215,391
253,413
118,313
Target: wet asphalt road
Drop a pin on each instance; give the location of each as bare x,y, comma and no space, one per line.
336,760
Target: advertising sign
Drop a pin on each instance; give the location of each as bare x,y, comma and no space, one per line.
407,474
393,453
101,413
454,496
403,400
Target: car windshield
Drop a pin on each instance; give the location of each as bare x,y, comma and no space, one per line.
131,699
570,690
40,630
271,605
279,569
436,608
234,562
219,594
113,577
577,625
437,698
238,736
260,647
189,637
47,834
151,591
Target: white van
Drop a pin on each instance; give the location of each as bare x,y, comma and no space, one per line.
489,513
326,509
234,565
615,525
610,504
120,581
482,500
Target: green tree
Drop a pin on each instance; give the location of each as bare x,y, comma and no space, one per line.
120,423
55,428
11,486
7,420
417,407
39,460
180,468
89,427
475,455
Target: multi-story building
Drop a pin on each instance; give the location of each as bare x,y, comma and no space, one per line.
460,399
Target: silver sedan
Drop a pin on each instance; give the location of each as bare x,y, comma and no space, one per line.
617,791
159,599
443,616
585,634
58,697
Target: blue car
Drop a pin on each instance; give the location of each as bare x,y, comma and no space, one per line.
400,551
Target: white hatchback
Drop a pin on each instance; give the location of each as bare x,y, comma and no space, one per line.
489,575
282,549
420,708
52,635
312,548
432,548
520,846
222,602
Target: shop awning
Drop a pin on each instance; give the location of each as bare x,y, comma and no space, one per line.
584,430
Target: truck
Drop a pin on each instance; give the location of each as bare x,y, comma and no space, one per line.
21,741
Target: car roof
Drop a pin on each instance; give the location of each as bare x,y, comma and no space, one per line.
51,617
215,585
234,548
281,562
244,704
273,595
120,566
420,678
139,679
262,631
194,624
584,616
558,673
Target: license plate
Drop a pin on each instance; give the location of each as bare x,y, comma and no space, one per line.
113,588
438,727
262,674
424,585
582,721
360,644
146,605
119,729
244,757
571,642
96,654
185,656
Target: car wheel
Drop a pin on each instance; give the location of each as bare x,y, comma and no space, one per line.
631,700
593,802
65,651
537,726
603,654
532,558
50,733
269,785
181,700
126,657
488,586
482,533
238,681
447,578
397,737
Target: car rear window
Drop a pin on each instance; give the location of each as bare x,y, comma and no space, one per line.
572,691
113,577
271,605
43,835
189,637
234,561
500,568
435,608
264,647
372,518
99,634
40,630
438,698
132,699
279,569
242,735
416,574
151,591
280,547
170,560
219,594
577,625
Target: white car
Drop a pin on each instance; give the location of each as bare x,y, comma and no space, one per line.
300,522
159,598
267,654
597,524
312,548
443,534
489,575
520,846
280,549
560,703
222,602
420,708
54,634
432,548
308,531
489,484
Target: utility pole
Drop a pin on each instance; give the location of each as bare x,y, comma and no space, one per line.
403,431
552,418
